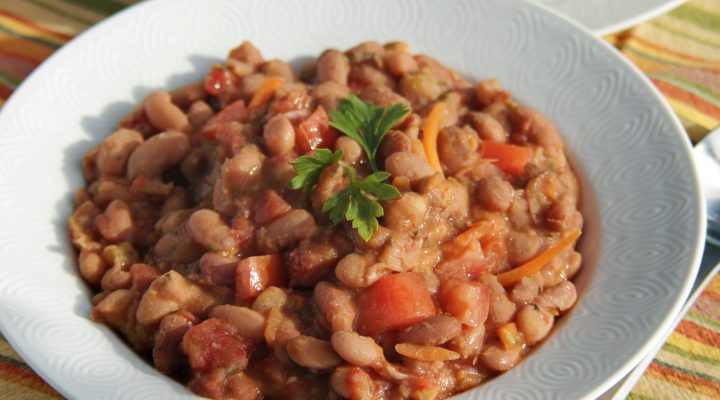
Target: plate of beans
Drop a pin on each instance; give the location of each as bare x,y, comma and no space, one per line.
357,200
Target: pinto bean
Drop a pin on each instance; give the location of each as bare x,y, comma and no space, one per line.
487,127
171,292
270,298
560,297
218,267
420,88
497,358
489,91
336,305
432,331
92,266
469,342
410,165
116,278
188,94
250,84
244,169
364,75
279,68
333,66
535,322
106,189
457,148
574,261
199,113
207,228
114,152
531,126
279,135
525,291
365,51
177,248
156,154
358,350
352,383
559,216
286,230
382,96
114,307
359,271
247,322
399,63
116,223
329,94
164,115
166,351
407,213
352,152
494,193
312,353
521,246
394,142
247,53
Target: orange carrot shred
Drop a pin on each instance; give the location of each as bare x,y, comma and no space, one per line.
508,335
264,94
430,130
507,278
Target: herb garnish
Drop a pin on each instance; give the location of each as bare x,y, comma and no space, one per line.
367,125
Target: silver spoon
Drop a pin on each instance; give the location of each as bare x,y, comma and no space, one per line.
707,159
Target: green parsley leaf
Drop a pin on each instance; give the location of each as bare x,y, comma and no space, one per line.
366,123
353,203
308,168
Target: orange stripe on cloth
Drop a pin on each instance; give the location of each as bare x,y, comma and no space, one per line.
35,51
665,51
698,333
59,35
25,377
685,380
688,98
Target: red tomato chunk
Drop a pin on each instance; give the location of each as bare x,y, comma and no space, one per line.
254,274
395,302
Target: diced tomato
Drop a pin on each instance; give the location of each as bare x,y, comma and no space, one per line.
314,132
394,302
269,206
495,256
295,100
218,80
234,112
213,344
230,136
254,274
468,301
509,158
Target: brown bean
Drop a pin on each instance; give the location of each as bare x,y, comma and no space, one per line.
247,322
199,113
218,267
525,291
270,298
521,246
529,126
244,169
164,115
469,342
247,53
399,63
250,84
560,297
286,230
166,351
382,96
494,193
394,142
489,91
559,216
114,307
92,266
171,292
497,358
276,67
420,88
208,229
352,383
358,350
407,213
365,51
114,152
157,154
487,127
364,75
432,331
279,135
574,261
457,148
352,152
116,223
336,306
188,94
333,66
312,353
410,165
535,322
329,94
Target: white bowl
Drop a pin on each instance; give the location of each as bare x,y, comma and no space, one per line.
644,210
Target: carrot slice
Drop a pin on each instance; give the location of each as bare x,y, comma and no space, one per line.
461,242
263,95
507,278
508,335
508,157
430,129
426,353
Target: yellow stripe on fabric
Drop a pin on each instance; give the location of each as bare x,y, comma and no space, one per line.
668,41
650,58
53,21
681,27
24,47
679,361
654,386
19,392
26,30
714,286
708,6
693,346
692,114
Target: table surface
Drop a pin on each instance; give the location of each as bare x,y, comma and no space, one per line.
679,51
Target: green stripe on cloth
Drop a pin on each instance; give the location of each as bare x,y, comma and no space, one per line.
60,12
695,16
703,320
678,32
687,371
30,38
689,355
699,90
635,396
8,80
105,6
13,361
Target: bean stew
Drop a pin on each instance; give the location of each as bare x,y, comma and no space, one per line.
372,226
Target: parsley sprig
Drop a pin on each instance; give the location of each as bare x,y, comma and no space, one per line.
357,203
366,123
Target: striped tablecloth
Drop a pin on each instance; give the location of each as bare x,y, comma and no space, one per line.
679,51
